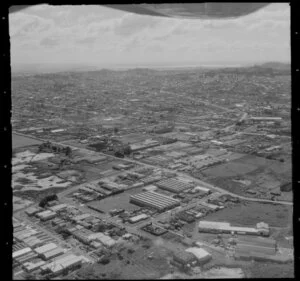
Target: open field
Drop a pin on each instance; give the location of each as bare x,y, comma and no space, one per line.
117,201
247,164
251,172
250,213
214,273
270,270
20,141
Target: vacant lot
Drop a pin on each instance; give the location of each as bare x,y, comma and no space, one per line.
117,201
263,175
247,165
270,270
130,265
230,169
20,141
250,213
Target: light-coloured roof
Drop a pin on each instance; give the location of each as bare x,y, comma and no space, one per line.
58,207
45,248
139,217
21,252
199,253
225,226
53,252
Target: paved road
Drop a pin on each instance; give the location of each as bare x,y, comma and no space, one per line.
197,181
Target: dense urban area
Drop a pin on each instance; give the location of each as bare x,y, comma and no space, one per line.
153,174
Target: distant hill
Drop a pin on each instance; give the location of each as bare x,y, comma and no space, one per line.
35,68
276,65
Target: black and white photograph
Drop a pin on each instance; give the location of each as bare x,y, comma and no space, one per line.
151,141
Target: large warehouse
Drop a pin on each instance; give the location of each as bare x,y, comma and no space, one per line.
173,185
225,227
154,200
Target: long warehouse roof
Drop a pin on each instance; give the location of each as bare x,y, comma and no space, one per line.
154,198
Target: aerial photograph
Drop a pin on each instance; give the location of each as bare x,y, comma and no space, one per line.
151,141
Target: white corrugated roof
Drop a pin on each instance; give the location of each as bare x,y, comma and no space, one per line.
46,248
199,253
21,252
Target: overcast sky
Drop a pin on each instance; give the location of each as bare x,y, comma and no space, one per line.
102,36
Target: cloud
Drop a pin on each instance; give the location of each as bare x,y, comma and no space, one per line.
131,24
24,25
87,40
94,32
50,42
269,24
155,49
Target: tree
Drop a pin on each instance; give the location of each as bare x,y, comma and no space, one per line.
105,261
68,151
46,199
127,150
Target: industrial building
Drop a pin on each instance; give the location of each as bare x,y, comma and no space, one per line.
63,263
52,253
201,255
31,211
138,218
21,252
46,215
154,200
33,242
183,259
173,185
31,266
58,208
25,258
104,239
45,248
225,227
202,189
